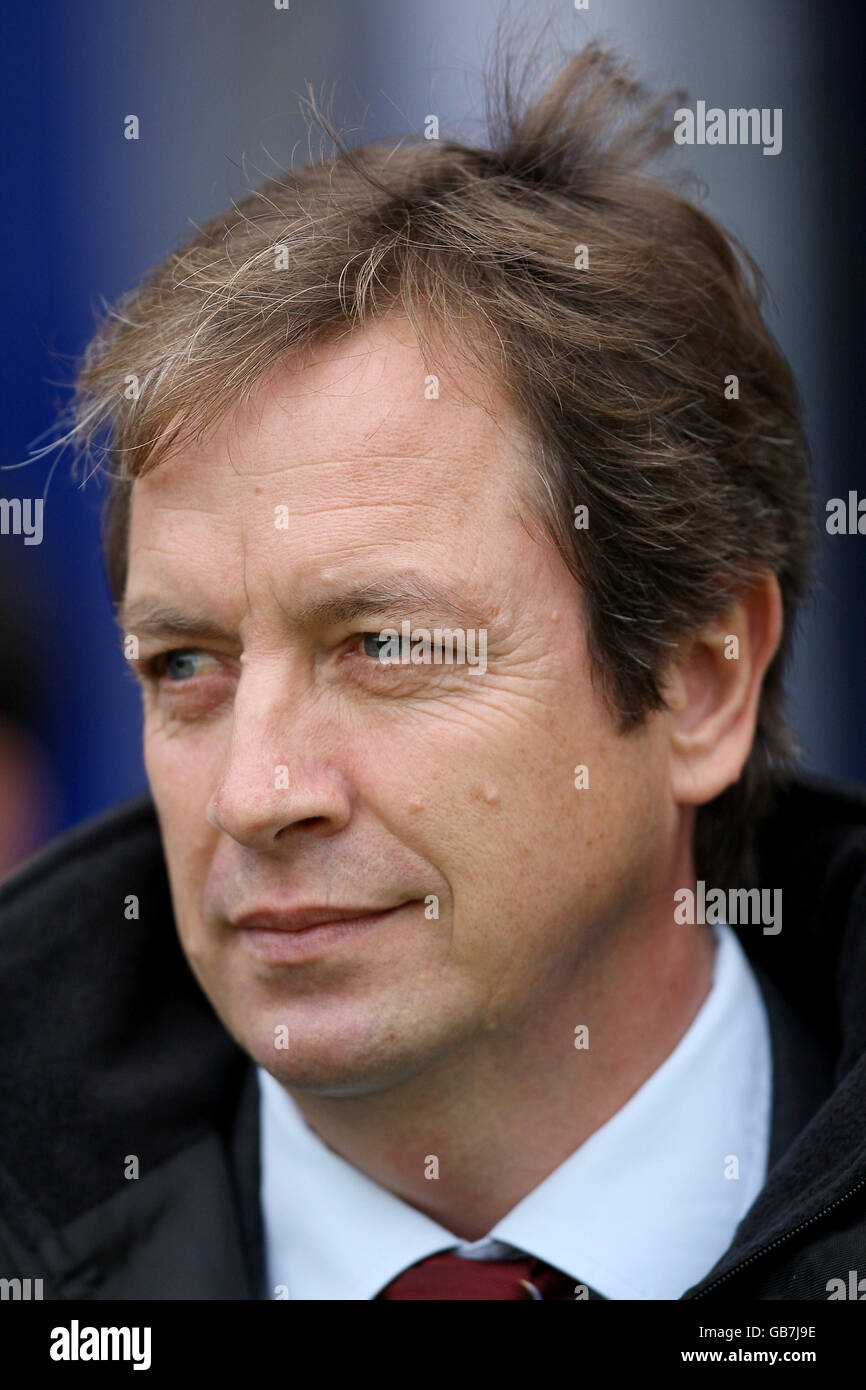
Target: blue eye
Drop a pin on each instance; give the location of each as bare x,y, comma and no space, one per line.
180,665
379,645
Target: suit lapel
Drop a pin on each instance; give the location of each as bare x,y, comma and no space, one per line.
802,1071
245,1167
171,1234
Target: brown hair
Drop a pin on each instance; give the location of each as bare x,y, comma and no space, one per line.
617,368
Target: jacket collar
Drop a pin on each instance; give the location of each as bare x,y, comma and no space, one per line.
813,977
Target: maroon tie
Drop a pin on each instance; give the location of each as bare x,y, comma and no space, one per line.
450,1276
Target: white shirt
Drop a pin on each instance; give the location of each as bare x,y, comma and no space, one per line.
642,1209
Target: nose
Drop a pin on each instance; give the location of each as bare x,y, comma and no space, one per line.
278,777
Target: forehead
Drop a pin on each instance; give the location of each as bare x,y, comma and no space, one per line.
370,400
363,452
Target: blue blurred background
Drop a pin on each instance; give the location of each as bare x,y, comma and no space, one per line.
216,87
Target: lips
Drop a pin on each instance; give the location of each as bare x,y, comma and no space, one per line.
280,937
302,918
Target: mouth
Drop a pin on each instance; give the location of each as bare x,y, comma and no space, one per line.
282,936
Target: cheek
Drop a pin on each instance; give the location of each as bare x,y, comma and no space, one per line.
180,763
178,773
549,831
481,806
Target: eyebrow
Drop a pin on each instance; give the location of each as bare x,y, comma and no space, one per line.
406,592
149,618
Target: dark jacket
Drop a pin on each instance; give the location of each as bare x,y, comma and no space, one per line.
111,1051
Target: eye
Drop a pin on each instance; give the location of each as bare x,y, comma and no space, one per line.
180,665
373,645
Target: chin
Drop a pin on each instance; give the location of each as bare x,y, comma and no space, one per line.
321,1073
342,1060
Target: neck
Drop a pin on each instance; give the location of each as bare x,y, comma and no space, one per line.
504,1110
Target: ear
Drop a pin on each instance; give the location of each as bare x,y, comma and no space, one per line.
713,687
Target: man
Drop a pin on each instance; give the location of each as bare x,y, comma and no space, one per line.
474,944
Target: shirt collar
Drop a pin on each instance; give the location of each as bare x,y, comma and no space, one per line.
641,1210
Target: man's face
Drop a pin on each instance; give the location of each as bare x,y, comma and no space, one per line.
292,768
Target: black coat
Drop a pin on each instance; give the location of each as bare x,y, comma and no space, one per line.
110,1050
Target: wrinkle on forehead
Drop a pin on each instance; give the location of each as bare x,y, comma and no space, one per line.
370,387
365,464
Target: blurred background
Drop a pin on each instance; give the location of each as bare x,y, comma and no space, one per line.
216,87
